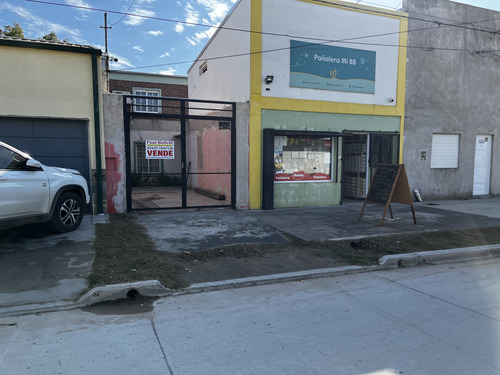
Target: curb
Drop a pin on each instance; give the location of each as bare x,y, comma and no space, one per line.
149,288
271,279
439,256
153,288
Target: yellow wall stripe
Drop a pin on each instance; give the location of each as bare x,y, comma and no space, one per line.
255,108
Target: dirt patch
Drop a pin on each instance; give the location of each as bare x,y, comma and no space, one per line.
125,253
283,259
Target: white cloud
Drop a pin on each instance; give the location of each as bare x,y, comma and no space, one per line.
166,54
216,9
201,36
192,15
168,72
80,4
155,32
122,63
140,18
35,27
179,28
138,48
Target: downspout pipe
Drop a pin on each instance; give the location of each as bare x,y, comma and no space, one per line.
97,134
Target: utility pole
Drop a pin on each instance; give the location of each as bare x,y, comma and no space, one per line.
106,27
106,54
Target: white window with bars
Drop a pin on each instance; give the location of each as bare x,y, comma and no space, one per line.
143,165
147,104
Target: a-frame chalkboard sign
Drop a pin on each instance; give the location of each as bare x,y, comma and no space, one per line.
389,184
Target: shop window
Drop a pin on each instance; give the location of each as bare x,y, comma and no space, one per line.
143,165
148,103
302,159
445,149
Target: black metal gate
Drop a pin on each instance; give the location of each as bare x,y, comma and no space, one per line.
180,153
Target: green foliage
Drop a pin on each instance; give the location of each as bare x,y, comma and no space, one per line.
14,31
52,37
162,179
169,179
136,179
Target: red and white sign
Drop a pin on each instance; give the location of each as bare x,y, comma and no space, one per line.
160,149
301,176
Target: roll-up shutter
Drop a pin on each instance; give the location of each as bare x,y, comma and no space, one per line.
445,150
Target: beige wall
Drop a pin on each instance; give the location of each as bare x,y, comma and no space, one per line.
48,83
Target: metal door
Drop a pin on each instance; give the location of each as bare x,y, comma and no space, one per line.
482,165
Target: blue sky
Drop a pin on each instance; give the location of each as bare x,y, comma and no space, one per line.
154,43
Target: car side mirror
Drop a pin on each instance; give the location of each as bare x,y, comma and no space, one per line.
32,163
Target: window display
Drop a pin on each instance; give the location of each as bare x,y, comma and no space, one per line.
302,159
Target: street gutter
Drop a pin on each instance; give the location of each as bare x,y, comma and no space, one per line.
153,288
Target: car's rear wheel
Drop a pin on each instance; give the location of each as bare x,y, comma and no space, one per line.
68,213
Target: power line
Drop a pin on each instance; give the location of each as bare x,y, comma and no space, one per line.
382,12
385,13
352,40
288,48
124,14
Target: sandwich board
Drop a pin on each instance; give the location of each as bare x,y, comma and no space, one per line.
389,184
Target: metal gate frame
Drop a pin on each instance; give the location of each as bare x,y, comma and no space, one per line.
182,116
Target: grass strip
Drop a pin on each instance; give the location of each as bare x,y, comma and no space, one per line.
124,252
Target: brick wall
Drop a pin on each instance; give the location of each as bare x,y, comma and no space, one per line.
167,90
170,90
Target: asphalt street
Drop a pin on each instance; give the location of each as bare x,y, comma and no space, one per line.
441,319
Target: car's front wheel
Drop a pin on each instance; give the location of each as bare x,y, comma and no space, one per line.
68,213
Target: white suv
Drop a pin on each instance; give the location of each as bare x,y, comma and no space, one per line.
31,192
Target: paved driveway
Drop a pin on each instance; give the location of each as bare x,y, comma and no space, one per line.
40,267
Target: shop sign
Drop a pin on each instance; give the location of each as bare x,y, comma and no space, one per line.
301,176
326,67
159,149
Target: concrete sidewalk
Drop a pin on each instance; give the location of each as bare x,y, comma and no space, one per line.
39,269
200,230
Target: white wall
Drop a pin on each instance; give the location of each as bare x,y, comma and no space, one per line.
301,20
226,79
